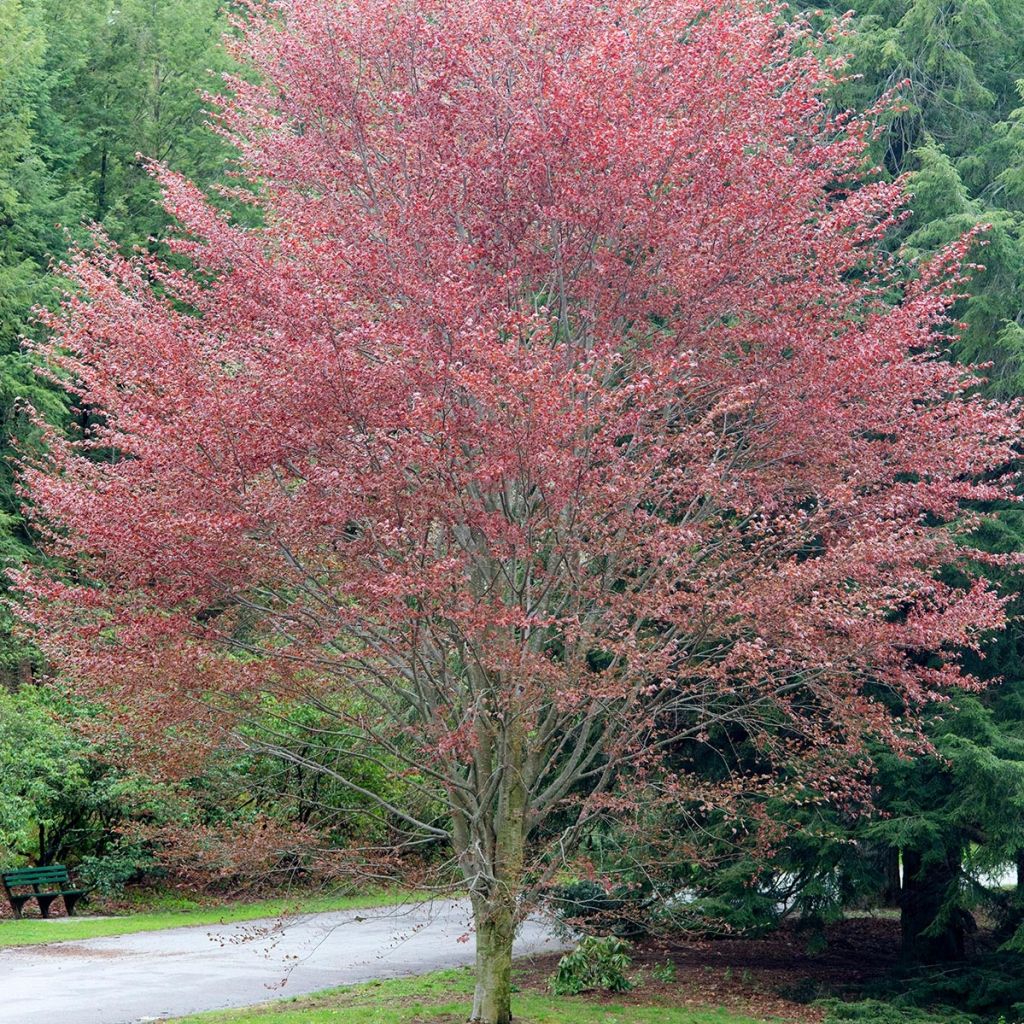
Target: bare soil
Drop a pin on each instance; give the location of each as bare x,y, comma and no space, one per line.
774,976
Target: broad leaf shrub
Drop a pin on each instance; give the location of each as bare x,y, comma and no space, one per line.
596,963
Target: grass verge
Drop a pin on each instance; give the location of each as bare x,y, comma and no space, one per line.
443,998
36,931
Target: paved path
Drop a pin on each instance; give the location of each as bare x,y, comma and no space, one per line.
152,975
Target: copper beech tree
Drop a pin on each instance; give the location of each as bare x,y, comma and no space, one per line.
562,405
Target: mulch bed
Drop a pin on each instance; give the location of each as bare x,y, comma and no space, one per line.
770,977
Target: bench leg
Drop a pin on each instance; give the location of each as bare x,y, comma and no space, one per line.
17,902
44,904
70,901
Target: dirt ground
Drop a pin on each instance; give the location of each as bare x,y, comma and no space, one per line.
774,976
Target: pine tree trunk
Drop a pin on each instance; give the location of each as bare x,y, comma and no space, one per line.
928,883
883,861
101,187
891,876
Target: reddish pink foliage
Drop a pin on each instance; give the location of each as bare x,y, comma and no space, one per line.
562,386
247,857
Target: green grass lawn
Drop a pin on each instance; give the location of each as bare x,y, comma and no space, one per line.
34,931
444,998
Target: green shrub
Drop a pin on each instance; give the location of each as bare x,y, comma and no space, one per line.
595,963
109,874
665,972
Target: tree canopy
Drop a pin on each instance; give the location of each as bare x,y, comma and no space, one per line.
563,403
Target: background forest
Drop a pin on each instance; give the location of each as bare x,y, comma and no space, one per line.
89,90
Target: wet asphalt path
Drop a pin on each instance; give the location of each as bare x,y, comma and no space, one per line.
150,976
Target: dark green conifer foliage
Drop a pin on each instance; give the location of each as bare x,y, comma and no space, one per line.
85,87
958,137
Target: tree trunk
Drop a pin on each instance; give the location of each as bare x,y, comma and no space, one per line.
928,884
883,861
101,186
496,907
495,930
890,876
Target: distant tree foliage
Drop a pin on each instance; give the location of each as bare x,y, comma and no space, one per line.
85,87
956,133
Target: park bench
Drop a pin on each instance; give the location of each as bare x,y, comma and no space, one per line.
46,883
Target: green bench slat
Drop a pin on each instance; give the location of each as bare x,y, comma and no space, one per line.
32,876
34,879
43,869
39,869
55,880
